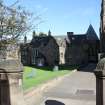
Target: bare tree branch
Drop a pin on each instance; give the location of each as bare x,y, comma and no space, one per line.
14,22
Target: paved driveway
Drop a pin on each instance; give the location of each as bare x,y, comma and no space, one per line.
75,89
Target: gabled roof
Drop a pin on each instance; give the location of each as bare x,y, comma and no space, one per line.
91,34
37,41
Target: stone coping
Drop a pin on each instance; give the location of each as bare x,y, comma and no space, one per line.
100,69
99,74
10,66
9,71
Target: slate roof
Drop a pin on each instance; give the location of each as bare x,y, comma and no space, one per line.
77,39
91,34
80,38
38,41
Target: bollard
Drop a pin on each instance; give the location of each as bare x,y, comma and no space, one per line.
100,82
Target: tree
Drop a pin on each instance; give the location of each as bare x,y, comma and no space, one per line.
14,22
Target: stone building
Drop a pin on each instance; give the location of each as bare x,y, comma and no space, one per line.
82,48
70,49
76,50
40,51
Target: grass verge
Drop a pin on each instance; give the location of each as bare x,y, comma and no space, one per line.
34,76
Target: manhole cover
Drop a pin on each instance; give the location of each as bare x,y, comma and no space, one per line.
87,92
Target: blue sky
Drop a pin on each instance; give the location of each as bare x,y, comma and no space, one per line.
61,16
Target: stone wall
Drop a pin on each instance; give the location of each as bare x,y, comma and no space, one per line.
76,55
51,52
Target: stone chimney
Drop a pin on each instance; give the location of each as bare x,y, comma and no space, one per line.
70,33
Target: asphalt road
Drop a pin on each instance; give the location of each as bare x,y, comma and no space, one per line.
75,89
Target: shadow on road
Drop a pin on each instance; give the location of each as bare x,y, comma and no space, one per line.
53,102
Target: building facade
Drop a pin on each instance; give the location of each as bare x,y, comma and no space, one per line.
82,48
40,51
70,49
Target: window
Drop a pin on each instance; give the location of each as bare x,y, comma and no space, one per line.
34,55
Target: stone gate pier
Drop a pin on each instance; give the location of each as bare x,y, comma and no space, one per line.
11,93
100,82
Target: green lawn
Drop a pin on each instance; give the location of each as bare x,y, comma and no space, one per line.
40,76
